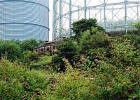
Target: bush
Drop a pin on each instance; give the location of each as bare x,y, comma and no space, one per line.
42,63
114,83
134,39
97,40
122,53
67,50
82,63
10,50
106,82
29,45
57,63
84,25
19,83
29,56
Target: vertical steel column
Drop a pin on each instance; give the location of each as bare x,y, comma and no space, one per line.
112,18
112,14
137,12
89,12
100,15
125,4
70,17
105,14
54,19
60,18
85,9
78,12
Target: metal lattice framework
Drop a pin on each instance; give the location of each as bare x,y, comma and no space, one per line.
113,15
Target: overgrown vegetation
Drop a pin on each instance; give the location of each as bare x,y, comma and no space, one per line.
18,50
17,82
138,27
88,66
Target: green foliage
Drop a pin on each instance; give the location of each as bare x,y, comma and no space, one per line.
19,83
137,25
47,53
114,83
19,50
43,62
83,63
29,56
106,82
10,50
135,39
66,50
29,44
95,67
84,25
88,35
57,63
97,40
122,53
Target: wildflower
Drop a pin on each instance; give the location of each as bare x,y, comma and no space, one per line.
121,39
109,84
115,71
95,87
135,73
83,60
77,64
70,92
94,53
110,42
128,69
133,98
79,74
97,61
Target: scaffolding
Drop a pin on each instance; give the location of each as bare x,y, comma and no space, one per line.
113,15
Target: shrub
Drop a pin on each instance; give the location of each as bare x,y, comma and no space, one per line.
137,25
106,82
97,40
122,53
84,25
73,85
10,50
85,28
18,83
114,83
29,44
42,63
57,63
135,39
29,56
67,50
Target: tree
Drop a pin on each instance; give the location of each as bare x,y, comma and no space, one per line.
10,50
84,25
29,44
